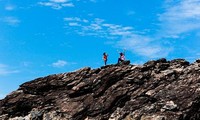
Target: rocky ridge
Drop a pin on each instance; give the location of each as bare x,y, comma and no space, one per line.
157,90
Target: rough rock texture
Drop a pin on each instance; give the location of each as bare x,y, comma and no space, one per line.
157,90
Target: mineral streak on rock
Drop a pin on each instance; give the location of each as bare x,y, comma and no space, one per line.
157,90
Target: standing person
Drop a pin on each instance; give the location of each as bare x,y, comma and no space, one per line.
105,58
121,57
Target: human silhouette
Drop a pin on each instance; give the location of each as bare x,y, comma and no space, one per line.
121,57
105,58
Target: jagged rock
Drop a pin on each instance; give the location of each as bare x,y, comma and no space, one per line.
126,62
157,90
170,105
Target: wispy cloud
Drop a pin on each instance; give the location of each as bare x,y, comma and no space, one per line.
144,46
62,63
9,7
74,24
12,21
97,27
26,64
59,1
4,70
76,19
177,19
57,4
59,63
125,36
180,17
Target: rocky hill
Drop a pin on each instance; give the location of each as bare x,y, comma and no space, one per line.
157,90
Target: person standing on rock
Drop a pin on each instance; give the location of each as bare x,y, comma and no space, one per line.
121,57
105,58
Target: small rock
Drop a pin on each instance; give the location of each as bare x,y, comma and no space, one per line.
170,105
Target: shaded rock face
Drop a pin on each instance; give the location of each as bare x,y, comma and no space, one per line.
157,90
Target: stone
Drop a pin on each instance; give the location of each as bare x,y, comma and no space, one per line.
153,117
157,90
170,105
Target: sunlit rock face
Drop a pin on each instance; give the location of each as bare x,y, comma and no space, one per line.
157,90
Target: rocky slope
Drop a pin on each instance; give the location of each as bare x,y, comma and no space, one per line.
157,90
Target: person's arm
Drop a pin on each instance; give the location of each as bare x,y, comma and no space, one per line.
124,51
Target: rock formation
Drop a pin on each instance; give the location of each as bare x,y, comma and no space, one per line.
157,90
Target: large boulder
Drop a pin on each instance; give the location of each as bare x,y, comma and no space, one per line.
157,90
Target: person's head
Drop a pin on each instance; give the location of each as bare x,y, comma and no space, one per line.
104,53
121,53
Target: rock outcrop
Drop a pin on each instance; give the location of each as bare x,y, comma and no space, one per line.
157,90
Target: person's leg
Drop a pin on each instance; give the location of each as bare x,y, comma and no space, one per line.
119,60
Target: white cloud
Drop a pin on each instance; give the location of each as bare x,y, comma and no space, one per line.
4,70
47,4
60,63
125,36
9,7
76,19
74,24
59,1
144,46
177,19
180,17
97,27
26,64
68,5
85,1
13,21
57,4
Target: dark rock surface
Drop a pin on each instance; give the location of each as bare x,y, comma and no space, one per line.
157,90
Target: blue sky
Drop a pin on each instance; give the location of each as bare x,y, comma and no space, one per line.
42,37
